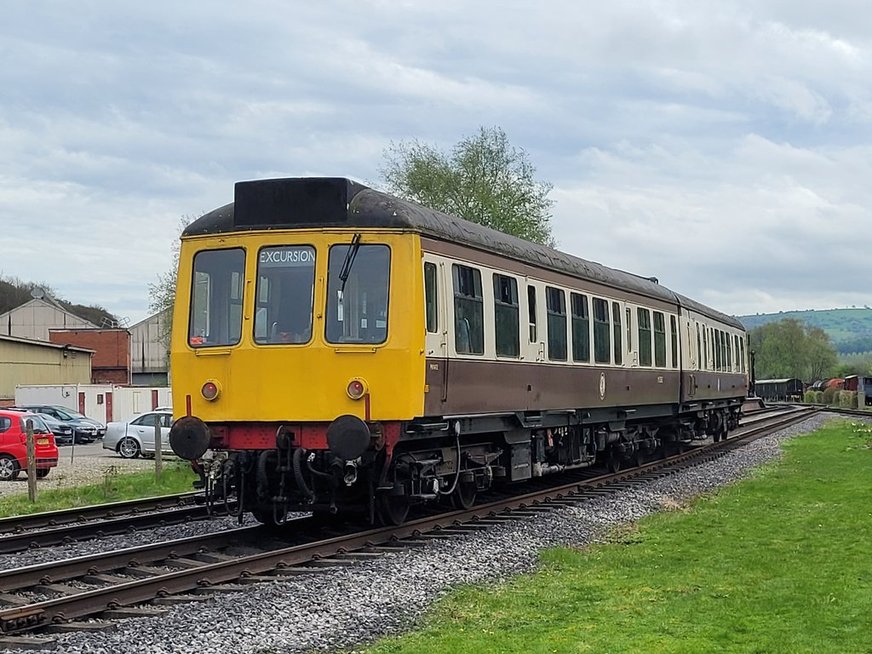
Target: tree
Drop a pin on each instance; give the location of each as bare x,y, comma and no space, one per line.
791,349
162,293
484,179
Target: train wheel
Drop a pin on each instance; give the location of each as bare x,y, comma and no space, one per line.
393,509
463,496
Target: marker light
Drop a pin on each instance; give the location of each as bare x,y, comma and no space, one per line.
209,390
356,389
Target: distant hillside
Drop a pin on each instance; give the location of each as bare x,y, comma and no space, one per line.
14,293
849,329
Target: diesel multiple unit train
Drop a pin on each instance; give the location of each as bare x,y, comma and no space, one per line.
337,349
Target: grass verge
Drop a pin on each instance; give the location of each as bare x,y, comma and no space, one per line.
777,563
176,477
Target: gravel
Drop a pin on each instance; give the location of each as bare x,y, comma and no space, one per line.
347,606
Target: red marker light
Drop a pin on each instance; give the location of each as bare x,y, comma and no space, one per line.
356,389
209,390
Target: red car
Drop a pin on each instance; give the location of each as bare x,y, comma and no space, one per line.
13,445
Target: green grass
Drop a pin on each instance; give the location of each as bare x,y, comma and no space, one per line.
176,477
781,562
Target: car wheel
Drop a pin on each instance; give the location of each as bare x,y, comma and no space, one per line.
128,448
9,468
42,473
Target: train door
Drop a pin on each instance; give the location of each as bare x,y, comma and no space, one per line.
436,319
632,341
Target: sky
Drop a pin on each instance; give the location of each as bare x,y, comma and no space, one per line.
723,147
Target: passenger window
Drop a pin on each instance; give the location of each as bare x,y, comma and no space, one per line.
705,359
601,337
580,328
717,343
506,316
5,424
616,317
531,309
629,316
729,352
644,317
431,296
659,340
673,333
742,354
468,310
555,303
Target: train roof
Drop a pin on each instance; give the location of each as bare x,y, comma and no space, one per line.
319,202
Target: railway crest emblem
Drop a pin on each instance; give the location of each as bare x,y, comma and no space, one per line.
602,386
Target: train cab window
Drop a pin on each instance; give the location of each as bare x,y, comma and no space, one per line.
358,281
673,338
468,310
616,320
580,328
659,340
284,294
531,310
555,303
216,298
601,337
700,353
628,314
506,316
431,297
644,317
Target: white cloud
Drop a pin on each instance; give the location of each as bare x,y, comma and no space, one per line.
722,148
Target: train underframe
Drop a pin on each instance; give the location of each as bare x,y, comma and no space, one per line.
447,460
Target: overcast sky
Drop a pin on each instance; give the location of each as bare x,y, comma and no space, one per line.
722,147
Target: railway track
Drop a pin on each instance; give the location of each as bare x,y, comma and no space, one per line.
60,527
57,595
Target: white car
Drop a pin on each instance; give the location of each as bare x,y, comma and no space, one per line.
136,436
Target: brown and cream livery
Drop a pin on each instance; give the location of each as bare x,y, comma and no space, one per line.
431,357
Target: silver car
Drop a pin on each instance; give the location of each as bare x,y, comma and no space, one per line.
136,436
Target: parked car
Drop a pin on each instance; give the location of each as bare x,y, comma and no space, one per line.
135,437
63,432
13,444
85,430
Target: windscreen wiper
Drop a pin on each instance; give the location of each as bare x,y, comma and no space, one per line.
349,260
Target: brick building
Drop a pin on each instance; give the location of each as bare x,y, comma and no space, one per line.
111,361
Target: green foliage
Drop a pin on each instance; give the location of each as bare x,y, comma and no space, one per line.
177,477
828,397
776,563
818,397
810,397
484,180
847,399
854,364
162,293
850,330
791,349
